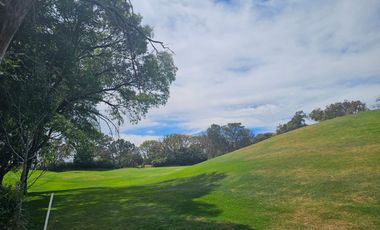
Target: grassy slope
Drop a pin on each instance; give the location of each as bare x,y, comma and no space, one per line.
324,176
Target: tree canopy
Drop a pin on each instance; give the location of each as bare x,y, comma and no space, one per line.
297,121
73,65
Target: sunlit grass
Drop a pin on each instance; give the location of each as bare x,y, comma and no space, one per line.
325,176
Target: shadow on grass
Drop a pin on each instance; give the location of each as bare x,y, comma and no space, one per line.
170,204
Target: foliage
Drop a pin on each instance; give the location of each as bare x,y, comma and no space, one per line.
297,121
124,154
227,138
149,150
68,60
12,13
12,216
99,153
262,136
177,149
174,149
338,109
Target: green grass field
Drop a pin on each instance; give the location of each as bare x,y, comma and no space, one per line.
324,176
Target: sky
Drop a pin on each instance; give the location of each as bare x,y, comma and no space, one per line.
259,61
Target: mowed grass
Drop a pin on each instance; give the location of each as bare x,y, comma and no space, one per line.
324,176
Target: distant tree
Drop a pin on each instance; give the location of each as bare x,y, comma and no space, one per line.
84,157
377,103
218,144
202,143
174,149
237,136
103,150
151,150
227,138
124,154
181,149
297,121
262,136
317,114
338,109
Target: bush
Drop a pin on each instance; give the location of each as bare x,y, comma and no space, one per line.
11,212
67,166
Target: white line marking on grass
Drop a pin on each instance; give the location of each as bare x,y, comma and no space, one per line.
48,212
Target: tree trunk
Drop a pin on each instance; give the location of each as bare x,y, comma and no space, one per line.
24,177
12,13
1,178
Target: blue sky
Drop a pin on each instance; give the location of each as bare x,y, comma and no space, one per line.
257,62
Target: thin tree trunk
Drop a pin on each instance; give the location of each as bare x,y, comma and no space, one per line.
12,13
1,178
24,177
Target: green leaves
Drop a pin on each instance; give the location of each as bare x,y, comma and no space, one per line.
82,63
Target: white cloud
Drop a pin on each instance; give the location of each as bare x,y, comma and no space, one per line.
258,62
138,139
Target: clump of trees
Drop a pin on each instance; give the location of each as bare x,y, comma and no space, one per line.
227,138
331,111
174,149
338,109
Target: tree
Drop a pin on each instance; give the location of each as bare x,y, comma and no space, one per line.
317,114
69,58
262,136
150,150
227,138
181,149
124,154
237,136
297,121
174,149
12,13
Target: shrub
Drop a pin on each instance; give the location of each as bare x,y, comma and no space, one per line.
11,212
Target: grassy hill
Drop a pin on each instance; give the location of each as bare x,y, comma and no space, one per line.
324,176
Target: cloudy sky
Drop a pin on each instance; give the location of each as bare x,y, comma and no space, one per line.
257,61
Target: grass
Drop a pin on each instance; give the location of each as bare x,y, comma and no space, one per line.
323,176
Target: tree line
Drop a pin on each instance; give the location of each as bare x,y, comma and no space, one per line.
172,150
331,111
180,149
177,149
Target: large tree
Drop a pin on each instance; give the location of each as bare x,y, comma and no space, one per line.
73,66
